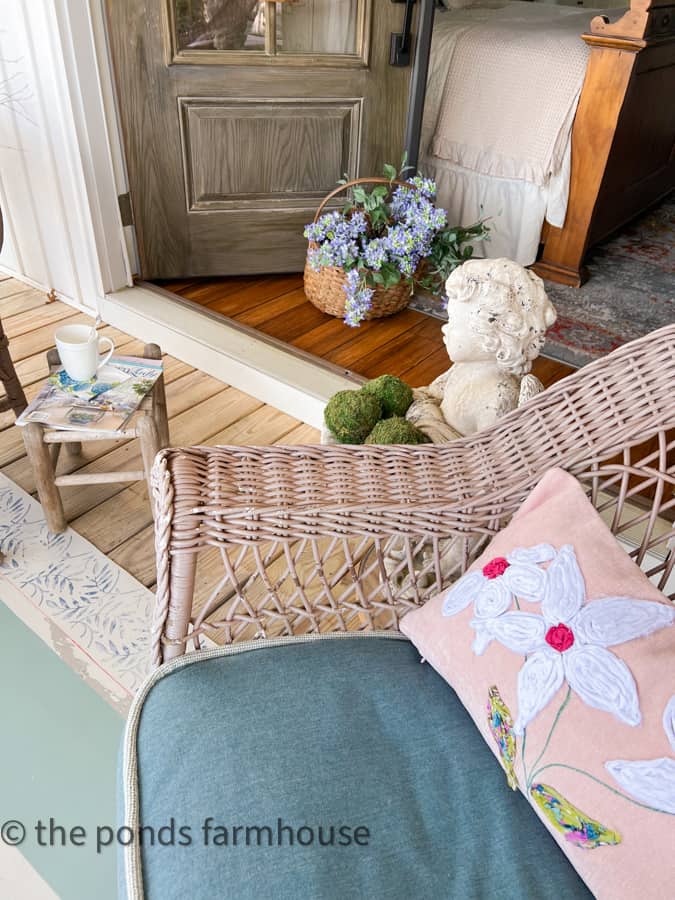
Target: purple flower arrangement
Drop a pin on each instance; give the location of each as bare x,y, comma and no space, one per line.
383,236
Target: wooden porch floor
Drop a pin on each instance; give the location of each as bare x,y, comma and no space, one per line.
408,344
116,518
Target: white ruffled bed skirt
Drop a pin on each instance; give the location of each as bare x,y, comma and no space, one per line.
516,209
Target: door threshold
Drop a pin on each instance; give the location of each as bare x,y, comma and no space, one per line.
287,378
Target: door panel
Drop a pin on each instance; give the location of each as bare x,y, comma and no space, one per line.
239,117
302,147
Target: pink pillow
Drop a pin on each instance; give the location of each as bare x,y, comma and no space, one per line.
563,653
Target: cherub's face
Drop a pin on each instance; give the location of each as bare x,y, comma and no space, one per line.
461,340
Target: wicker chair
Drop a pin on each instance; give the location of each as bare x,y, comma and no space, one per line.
296,539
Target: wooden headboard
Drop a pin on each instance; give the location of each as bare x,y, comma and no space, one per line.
623,139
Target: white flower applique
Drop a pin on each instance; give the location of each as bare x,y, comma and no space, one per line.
650,781
493,588
569,642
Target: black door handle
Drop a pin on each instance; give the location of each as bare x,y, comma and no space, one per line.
400,49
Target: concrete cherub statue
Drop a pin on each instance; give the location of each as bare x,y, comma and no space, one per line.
498,313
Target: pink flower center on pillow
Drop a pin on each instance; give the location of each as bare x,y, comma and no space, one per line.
560,637
495,567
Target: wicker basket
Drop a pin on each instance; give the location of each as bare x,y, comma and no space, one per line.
325,288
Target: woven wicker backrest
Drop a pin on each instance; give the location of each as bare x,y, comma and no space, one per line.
295,539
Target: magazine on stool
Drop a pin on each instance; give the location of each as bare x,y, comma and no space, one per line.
104,403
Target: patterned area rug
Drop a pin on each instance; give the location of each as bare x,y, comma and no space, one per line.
87,609
630,292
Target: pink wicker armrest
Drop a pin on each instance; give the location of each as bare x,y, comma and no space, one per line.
299,539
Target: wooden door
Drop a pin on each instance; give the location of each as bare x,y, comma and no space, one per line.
239,116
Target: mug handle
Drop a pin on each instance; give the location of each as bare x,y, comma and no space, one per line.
108,354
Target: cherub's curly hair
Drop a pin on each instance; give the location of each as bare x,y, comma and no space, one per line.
512,312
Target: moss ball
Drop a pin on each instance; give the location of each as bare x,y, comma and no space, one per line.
395,396
351,415
396,431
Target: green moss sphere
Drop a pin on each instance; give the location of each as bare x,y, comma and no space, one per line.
351,415
396,431
395,396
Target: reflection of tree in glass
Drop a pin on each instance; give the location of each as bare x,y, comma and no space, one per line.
190,24
230,21
219,24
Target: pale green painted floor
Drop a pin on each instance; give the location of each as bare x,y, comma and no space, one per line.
58,757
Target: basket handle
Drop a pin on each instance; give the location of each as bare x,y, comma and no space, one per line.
348,184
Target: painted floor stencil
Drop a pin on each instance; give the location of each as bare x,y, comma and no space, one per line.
86,608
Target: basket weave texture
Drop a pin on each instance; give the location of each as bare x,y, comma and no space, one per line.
297,538
325,288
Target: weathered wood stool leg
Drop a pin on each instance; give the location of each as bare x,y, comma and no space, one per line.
16,399
159,411
148,436
54,363
41,462
73,448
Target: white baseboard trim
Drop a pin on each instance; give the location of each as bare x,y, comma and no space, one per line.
291,381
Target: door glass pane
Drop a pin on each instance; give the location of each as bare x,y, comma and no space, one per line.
317,26
220,25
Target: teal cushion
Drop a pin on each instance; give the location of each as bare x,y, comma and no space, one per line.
345,732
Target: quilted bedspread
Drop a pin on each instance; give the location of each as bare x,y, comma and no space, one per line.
511,80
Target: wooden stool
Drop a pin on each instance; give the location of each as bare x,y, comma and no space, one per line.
43,445
15,399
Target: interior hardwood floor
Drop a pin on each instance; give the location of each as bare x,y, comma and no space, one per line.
116,518
408,344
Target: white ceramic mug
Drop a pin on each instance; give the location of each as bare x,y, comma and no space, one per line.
79,348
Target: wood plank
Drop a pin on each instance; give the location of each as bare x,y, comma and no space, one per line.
11,446
350,352
118,520
291,324
381,355
205,291
234,303
30,298
180,285
328,336
423,372
302,434
11,286
49,315
265,312
548,371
